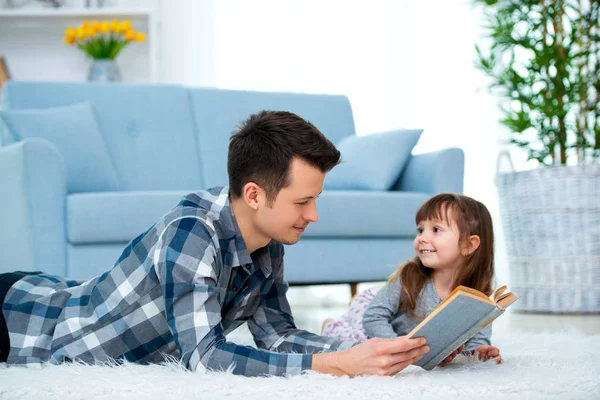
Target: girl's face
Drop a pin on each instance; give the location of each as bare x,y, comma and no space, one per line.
438,244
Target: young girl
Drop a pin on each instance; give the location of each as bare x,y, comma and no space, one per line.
454,246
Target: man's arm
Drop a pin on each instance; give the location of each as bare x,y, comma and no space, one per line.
272,327
373,357
185,261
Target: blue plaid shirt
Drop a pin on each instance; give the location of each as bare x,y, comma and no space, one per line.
176,291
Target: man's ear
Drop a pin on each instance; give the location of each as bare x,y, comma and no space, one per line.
253,195
471,245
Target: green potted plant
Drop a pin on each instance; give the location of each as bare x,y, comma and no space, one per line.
543,59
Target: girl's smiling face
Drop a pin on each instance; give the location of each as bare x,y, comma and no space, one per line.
437,243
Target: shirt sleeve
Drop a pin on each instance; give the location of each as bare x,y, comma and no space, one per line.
186,263
273,326
377,319
482,337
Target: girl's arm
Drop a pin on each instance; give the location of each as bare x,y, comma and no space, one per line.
484,336
377,319
481,345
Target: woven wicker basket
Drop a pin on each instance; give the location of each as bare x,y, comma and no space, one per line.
551,221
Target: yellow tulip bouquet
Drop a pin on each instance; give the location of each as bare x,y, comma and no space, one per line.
103,40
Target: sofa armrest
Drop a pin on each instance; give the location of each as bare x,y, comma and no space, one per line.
435,172
32,213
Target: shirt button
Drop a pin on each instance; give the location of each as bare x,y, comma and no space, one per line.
234,288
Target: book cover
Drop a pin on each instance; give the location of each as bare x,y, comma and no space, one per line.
457,319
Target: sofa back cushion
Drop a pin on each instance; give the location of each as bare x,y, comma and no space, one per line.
372,162
74,132
148,129
219,112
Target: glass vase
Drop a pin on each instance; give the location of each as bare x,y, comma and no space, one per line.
104,71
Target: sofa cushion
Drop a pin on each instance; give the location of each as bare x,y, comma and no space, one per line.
148,129
372,162
357,213
74,132
115,217
218,112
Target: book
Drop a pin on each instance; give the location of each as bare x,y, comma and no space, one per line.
457,319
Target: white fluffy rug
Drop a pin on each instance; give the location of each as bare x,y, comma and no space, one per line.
536,366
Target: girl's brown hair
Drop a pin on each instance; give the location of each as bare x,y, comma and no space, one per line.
472,218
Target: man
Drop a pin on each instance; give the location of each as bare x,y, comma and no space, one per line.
212,263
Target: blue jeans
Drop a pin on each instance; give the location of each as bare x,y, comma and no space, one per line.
6,282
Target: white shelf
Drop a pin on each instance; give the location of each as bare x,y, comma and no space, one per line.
58,13
35,34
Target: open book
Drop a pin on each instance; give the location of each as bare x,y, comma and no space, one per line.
457,319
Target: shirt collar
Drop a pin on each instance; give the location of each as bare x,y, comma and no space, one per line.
261,257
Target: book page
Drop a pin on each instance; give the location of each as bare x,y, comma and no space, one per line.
476,293
497,293
506,300
502,299
465,291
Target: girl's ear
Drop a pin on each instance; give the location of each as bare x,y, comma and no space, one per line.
471,245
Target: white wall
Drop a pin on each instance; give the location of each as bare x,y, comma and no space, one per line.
34,49
180,46
402,64
187,42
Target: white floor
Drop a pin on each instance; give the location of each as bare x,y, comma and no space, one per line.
537,366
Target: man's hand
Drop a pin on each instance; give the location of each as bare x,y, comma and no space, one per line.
486,352
373,357
451,357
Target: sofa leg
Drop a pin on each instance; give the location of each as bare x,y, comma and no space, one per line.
353,289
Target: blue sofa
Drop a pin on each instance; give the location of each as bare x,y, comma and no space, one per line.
84,168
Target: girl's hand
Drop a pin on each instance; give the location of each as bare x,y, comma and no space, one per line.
486,352
449,359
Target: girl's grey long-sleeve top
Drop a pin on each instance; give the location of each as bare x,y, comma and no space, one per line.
384,319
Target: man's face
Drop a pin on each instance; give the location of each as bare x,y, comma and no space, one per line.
294,207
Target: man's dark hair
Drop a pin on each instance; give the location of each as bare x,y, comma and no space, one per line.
262,150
